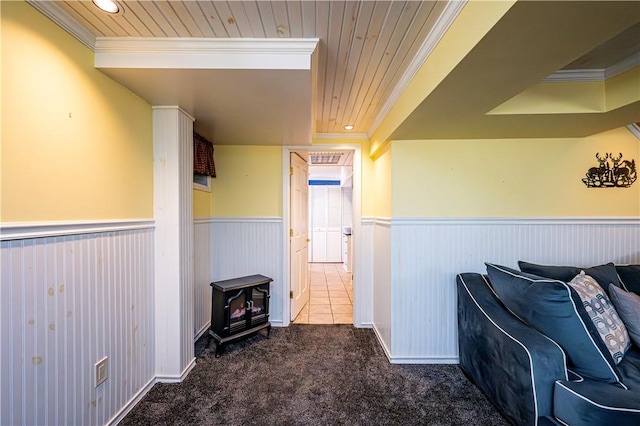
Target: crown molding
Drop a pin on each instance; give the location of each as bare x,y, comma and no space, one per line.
444,21
635,129
575,76
341,136
65,21
204,53
622,66
594,74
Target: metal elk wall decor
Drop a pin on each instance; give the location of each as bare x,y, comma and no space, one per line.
611,173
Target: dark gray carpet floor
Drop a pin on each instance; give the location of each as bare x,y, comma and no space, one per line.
313,375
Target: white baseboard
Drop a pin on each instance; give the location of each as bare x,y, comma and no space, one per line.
277,323
177,378
132,403
202,331
424,360
379,337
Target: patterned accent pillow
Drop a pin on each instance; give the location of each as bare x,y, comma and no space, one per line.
604,316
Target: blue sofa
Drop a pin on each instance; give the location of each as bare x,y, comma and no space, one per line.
528,376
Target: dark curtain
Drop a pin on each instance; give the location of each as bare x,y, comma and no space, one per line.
203,156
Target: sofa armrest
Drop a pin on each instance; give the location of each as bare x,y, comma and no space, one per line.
513,364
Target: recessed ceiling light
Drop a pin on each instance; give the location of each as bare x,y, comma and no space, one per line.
108,6
348,127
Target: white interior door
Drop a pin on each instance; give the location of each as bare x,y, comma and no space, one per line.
299,234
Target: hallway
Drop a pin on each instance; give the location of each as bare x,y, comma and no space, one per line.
331,298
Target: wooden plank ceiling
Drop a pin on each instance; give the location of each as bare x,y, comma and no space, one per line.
365,46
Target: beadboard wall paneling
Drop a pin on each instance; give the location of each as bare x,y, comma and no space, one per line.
185,203
68,301
382,290
247,246
363,269
202,277
427,254
173,211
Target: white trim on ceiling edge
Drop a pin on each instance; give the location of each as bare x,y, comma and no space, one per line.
26,230
205,53
635,129
594,74
67,22
203,45
449,14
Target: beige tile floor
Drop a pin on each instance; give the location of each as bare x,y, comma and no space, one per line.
331,298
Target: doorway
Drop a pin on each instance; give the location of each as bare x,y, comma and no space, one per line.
334,215
331,300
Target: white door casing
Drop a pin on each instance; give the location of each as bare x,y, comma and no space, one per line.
362,269
299,234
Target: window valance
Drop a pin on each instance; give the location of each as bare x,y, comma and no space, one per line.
203,156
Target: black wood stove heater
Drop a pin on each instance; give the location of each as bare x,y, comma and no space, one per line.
239,308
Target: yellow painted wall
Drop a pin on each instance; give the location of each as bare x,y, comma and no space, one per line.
576,97
75,144
383,187
248,182
201,203
556,98
509,178
368,207
623,89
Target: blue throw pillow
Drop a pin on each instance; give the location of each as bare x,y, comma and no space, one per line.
556,310
628,307
604,274
630,276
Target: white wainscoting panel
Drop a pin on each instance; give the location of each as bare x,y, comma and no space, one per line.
247,246
382,290
202,277
363,270
426,255
173,213
67,301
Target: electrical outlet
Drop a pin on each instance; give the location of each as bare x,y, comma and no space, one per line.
102,371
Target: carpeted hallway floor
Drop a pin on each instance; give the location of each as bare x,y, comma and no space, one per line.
313,375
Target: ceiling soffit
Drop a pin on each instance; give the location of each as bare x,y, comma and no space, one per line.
368,50
224,83
499,68
367,54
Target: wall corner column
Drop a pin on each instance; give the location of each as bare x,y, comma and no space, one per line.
174,267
